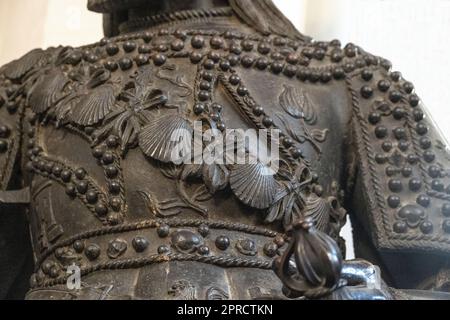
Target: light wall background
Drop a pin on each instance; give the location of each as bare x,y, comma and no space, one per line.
413,34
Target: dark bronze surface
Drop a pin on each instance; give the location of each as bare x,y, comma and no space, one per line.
85,137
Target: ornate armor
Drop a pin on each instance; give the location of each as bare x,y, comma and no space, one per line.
85,138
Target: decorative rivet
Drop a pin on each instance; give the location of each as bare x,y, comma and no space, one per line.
5,131
209,64
114,218
242,91
111,65
247,247
290,71
204,95
429,156
203,230
414,100
112,49
374,118
163,230
108,158
437,185
78,246
142,59
177,45
400,227
147,36
394,202
205,85
47,266
116,248
98,152
247,61
339,73
116,204
413,214
446,226
412,159
159,59
423,200
350,50
426,227
395,185
381,132
92,197
396,76
270,249
3,146
381,158
367,75
395,96
140,244
415,184
384,85
337,56
418,115
101,209
421,129
163,249
111,171
434,172
408,87
297,153
144,48
400,133
399,113
216,42
234,80
258,111
267,122
222,243
225,65
391,171
54,272
71,190
446,209
92,252
425,143
114,187
186,241
129,46
196,57
57,170
407,172
125,63
276,67
387,146
80,173
203,250
264,48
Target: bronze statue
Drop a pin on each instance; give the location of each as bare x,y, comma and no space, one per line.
86,164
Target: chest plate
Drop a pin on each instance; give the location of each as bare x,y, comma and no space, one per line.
106,188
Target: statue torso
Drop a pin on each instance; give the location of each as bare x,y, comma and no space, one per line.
105,196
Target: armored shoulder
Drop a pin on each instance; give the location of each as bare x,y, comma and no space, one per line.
17,78
402,181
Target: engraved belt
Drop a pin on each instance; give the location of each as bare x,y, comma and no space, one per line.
135,245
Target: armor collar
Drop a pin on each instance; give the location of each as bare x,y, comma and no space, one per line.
110,6
173,18
262,15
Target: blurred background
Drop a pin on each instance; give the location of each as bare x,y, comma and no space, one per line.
413,34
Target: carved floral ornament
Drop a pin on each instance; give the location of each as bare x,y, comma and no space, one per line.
94,99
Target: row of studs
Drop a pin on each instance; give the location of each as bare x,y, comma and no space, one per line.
140,244
395,185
